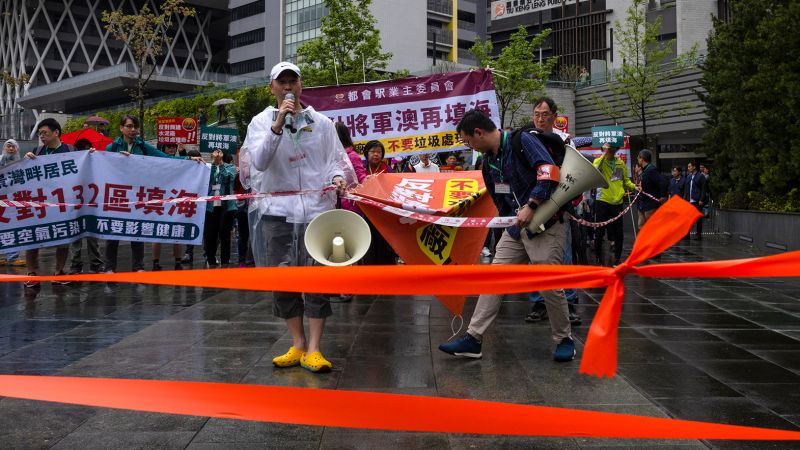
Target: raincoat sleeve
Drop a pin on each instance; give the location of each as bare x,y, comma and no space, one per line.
261,142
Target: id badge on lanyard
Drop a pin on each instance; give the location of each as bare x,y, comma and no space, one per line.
215,189
502,188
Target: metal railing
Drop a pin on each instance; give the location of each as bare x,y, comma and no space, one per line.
464,25
443,36
611,75
441,6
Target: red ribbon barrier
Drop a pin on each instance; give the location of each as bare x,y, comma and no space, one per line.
668,225
368,410
415,413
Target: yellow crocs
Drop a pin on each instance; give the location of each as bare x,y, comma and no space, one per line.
315,362
289,359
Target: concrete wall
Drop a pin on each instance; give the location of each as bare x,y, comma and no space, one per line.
763,229
694,23
403,27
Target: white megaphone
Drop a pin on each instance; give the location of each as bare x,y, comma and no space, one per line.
578,174
337,238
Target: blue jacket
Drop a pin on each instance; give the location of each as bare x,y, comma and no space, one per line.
676,186
506,168
695,189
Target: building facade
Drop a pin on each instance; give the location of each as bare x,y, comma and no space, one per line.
74,66
583,36
264,32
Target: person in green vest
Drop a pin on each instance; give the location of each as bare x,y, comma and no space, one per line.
219,213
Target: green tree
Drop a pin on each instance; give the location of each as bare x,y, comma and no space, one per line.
249,102
518,80
349,49
752,81
145,33
643,69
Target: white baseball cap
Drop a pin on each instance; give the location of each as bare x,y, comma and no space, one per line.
279,68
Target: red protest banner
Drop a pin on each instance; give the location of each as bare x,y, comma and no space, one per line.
176,130
441,194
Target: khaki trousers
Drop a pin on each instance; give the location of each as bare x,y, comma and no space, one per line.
546,248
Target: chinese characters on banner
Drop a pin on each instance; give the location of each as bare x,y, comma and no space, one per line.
441,194
508,8
410,115
213,138
623,153
176,130
612,135
96,195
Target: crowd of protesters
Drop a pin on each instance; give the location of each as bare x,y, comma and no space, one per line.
270,229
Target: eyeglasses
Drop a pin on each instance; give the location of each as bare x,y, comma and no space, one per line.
130,126
541,115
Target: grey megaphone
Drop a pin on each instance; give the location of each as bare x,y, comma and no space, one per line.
578,174
337,238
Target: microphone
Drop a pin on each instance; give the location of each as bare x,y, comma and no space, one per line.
289,118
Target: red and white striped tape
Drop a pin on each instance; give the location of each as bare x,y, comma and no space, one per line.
407,212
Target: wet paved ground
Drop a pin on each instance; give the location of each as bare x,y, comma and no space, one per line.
725,351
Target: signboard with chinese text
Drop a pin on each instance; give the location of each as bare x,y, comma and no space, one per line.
510,8
623,153
410,115
217,138
460,194
176,130
96,195
612,135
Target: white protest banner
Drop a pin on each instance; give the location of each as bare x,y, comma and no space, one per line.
97,195
409,115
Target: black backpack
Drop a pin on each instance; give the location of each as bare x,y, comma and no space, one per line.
553,142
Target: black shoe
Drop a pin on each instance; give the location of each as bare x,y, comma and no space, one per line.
538,313
187,258
178,266
157,267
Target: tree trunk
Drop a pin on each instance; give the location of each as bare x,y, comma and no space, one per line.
644,125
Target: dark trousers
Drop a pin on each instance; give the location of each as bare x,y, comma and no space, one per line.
244,234
380,253
137,249
699,223
218,229
606,211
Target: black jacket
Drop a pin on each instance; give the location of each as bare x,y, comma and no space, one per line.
696,188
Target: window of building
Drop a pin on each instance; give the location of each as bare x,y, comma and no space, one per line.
248,66
302,22
250,9
248,38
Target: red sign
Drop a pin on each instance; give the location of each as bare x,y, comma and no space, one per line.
176,130
561,123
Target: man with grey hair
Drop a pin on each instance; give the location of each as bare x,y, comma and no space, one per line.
425,164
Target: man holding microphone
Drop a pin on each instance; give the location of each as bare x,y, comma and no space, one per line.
294,149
